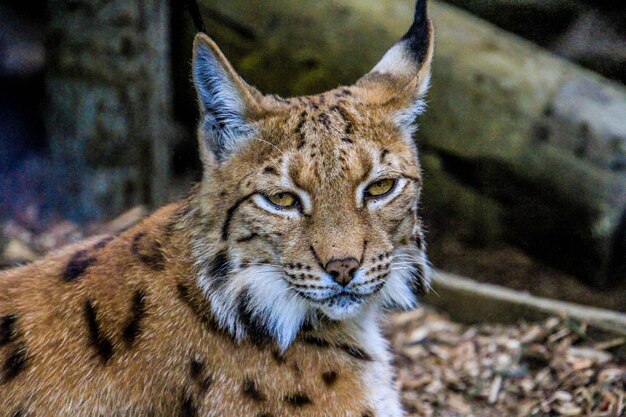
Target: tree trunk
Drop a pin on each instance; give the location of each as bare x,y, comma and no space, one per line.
109,104
516,144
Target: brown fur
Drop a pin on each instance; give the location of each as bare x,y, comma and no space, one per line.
178,361
119,326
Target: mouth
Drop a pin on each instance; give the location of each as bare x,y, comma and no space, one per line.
337,301
342,306
338,297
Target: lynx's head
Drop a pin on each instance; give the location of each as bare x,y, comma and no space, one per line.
310,204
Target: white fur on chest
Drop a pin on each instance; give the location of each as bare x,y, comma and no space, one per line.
378,376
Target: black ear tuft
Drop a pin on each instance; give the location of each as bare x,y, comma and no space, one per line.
418,37
404,71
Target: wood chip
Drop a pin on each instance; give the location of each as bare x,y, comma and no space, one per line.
549,368
494,390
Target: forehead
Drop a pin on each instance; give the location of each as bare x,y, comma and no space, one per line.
333,136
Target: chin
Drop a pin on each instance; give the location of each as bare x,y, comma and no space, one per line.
342,308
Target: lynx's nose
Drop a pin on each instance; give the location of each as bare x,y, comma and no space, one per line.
342,270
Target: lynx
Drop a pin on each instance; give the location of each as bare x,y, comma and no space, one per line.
260,294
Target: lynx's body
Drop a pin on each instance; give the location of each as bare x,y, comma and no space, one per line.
262,293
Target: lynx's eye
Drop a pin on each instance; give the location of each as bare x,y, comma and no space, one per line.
380,188
283,200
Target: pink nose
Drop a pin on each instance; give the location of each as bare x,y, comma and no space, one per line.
342,270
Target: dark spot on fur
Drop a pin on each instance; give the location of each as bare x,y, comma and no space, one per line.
15,363
255,328
265,415
384,153
297,399
187,407
324,120
77,265
198,374
270,170
368,413
18,413
315,341
356,352
251,390
417,281
278,357
195,369
153,256
349,128
343,93
307,326
98,341
7,329
132,329
329,378
16,360
230,213
219,268
299,130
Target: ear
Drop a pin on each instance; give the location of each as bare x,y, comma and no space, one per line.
227,103
402,77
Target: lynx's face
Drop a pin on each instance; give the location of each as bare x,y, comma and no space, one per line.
310,203
326,196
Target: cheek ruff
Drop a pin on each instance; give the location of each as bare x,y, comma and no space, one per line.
256,303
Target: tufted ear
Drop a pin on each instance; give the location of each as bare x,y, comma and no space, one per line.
402,76
227,104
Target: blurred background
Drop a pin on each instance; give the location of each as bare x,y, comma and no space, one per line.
523,145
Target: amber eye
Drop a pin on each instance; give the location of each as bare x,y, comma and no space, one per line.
380,188
283,200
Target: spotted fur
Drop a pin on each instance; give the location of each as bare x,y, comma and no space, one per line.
223,304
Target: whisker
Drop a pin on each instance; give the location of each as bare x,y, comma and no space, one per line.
271,144
392,144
